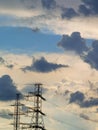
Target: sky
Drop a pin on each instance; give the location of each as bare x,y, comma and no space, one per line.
54,42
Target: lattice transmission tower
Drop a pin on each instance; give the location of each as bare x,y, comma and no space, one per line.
16,114
33,112
37,122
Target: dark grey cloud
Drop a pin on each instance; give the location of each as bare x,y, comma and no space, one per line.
92,56
5,113
73,43
84,10
89,103
48,4
79,99
8,89
76,43
42,65
68,13
76,97
89,7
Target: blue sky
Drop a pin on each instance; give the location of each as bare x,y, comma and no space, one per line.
54,42
25,39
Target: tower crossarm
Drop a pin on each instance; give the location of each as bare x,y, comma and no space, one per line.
40,96
37,126
40,112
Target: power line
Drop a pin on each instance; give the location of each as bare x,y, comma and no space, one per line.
36,121
56,105
63,122
37,112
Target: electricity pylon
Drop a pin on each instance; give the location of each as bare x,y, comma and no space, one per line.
35,111
17,112
37,122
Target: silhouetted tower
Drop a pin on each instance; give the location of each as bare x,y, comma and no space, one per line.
17,113
37,122
33,115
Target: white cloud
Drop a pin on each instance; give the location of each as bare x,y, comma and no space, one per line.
19,13
76,75
75,78
27,16
86,26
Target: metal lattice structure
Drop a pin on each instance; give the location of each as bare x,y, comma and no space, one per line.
17,113
37,122
34,112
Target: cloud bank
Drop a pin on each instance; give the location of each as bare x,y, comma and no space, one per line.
79,45
89,7
67,85
51,14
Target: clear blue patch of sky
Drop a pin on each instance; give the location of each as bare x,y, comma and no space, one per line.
26,40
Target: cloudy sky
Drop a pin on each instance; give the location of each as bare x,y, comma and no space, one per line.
54,42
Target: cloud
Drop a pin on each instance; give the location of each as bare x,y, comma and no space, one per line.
10,3
48,4
8,89
78,44
77,97
68,13
25,8
42,65
92,56
90,7
84,10
30,4
89,103
5,113
30,88
73,43
73,84
33,13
